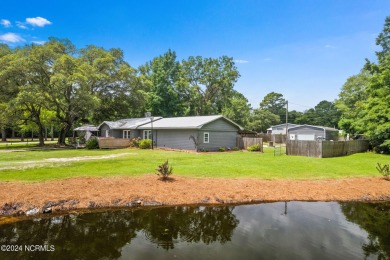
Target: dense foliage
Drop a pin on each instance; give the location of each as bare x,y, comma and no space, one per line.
365,98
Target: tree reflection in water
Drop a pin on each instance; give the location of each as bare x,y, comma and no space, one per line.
102,235
375,219
191,224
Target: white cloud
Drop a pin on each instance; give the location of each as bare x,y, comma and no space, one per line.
329,46
38,21
39,42
11,37
5,23
241,61
267,59
21,25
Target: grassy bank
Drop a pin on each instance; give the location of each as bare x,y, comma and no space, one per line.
33,165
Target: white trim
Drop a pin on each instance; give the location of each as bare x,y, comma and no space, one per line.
206,140
126,134
107,133
147,134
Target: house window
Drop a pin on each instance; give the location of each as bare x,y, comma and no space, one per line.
206,138
126,134
147,134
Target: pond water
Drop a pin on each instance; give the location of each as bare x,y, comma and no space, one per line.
293,230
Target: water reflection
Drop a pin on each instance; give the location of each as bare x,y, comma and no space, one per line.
375,219
320,230
102,235
190,224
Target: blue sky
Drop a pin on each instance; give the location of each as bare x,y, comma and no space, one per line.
303,49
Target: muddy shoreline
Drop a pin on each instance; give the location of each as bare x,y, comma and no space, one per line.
74,194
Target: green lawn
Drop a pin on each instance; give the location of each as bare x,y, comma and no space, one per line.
17,144
226,164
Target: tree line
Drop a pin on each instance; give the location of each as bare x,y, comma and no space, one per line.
58,85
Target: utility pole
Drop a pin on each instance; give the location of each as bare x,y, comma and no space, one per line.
286,119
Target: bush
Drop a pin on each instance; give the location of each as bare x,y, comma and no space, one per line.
164,170
134,142
92,143
384,170
145,144
235,148
221,149
384,147
254,148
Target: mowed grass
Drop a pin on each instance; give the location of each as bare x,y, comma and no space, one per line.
225,165
17,144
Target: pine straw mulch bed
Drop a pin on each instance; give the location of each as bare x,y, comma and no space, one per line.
19,198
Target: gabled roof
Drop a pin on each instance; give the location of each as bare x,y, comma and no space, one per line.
130,123
315,126
188,122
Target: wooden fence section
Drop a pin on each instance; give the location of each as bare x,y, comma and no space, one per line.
244,142
304,148
341,148
326,149
111,142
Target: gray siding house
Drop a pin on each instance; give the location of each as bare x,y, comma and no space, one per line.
209,132
311,133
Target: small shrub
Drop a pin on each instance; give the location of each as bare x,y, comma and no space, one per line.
164,170
235,148
92,143
221,149
145,144
384,170
254,148
134,142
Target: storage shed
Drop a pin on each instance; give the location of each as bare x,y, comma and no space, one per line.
311,133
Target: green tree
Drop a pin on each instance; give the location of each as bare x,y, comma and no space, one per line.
164,97
5,52
114,82
211,82
275,104
375,119
294,116
261,119
23,78
238,109
351,102
9,82
383,40
325,113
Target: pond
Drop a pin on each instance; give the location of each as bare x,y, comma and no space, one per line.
293,230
